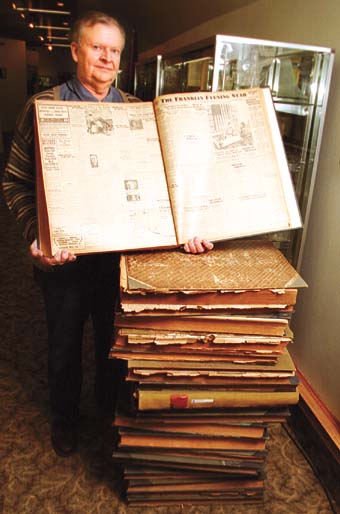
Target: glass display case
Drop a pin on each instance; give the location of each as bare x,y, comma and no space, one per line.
192,72
299,78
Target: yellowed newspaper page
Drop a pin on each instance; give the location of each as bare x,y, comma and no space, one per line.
103,176
226,167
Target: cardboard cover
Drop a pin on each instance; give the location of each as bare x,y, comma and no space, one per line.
235,265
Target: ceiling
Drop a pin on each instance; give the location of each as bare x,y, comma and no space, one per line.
155,21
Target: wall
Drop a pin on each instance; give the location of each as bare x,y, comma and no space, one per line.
316,323
54,63
13,87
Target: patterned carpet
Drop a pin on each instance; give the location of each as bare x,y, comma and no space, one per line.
34,480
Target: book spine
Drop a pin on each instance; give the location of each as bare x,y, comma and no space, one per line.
153,400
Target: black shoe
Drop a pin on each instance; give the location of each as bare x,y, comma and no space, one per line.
64,439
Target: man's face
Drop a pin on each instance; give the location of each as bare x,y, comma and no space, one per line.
98,55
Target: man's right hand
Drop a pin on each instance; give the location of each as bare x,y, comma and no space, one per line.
44,262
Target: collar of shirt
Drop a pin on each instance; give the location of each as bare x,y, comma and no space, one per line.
73,90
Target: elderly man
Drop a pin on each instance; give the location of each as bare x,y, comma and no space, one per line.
74,288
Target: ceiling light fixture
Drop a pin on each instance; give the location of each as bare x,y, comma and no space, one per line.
52,27
57,44
64,38
42,11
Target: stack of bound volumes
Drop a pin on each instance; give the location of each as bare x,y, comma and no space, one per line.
205,340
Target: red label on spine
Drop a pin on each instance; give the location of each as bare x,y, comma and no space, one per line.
179,401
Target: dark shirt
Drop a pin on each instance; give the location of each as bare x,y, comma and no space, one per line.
74,91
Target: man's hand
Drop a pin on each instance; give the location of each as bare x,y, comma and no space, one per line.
42,261
198,245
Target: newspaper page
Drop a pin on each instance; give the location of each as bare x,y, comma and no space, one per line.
103,177
226,167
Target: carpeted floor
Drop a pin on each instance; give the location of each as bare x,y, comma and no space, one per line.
34,480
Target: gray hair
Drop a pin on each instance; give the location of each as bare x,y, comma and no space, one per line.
91,18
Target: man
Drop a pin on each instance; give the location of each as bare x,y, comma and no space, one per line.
74,288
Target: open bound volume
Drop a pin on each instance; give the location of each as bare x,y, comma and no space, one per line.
124,176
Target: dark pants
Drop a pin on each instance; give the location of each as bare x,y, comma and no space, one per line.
73,293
